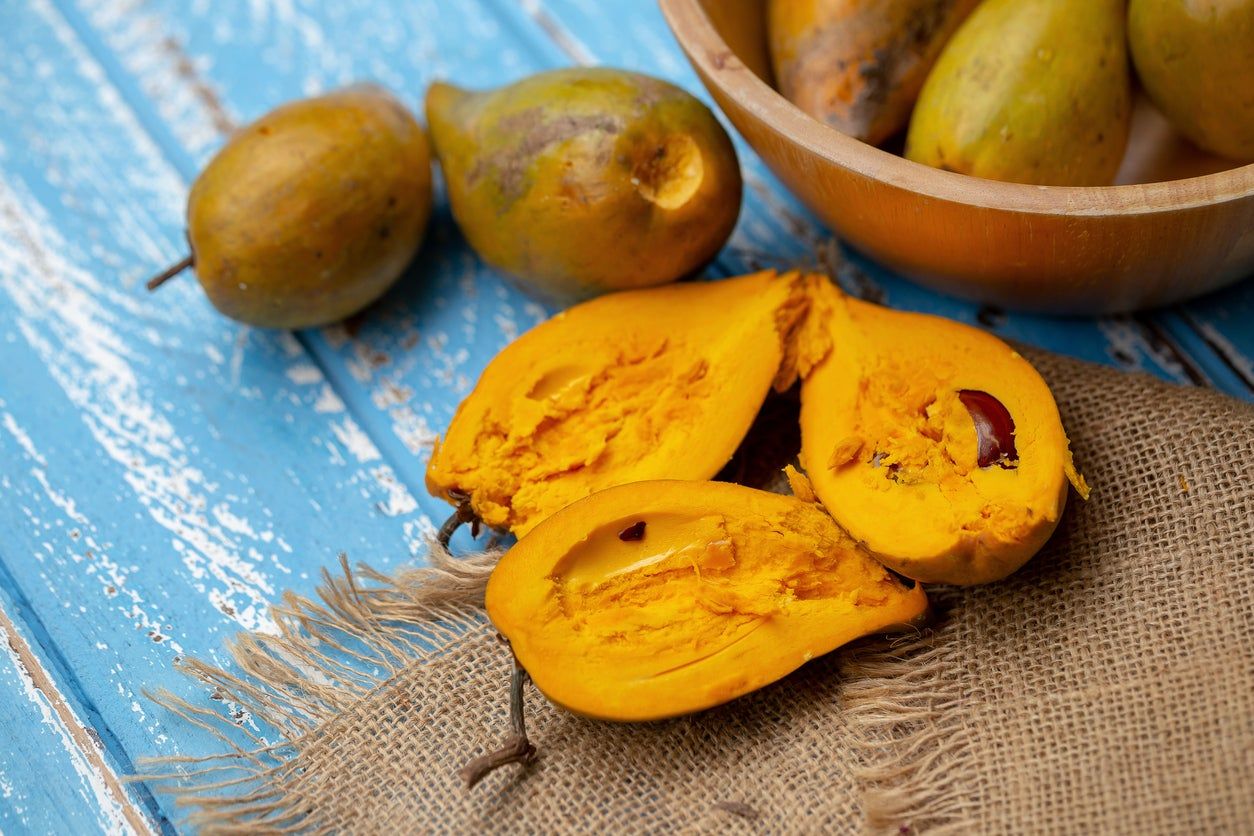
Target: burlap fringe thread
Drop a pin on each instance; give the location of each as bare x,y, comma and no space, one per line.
901,701
327,654
331,652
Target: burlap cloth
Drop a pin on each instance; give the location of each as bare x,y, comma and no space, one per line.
1107,687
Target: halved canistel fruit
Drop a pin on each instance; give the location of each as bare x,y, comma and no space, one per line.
657,599
933,443
651,384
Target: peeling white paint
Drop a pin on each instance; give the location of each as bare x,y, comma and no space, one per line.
67,505
96,371
22,438
355,441
83,545
151,50
236,524
328,402
304,374
413,430
399,500
418,533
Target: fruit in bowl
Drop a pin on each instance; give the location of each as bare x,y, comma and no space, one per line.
1029,91
1150,239
1196,60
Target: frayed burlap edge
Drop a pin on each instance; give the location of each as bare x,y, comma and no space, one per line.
328,654
900,700
340,647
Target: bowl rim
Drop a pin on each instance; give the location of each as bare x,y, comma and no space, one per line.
720,65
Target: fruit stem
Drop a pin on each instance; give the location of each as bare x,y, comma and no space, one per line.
517,748
170,272
464,514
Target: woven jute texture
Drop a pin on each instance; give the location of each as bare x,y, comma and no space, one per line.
1106,687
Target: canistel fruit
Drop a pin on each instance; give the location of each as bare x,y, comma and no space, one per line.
1196,60
717,590
647,384
1029,91
934,444
859,66
586,180
313,211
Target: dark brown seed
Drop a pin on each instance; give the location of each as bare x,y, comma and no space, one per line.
994,428
633,532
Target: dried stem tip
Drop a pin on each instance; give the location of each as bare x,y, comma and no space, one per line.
170,272
517,748
464,514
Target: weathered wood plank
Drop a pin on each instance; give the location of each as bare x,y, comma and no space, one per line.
54,776
402,368
166,473
1224,321
170,472
634,35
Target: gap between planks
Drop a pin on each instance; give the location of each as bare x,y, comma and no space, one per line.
1241,367
180,159
1157,336
82,739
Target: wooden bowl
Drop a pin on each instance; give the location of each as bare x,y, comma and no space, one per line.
1151,240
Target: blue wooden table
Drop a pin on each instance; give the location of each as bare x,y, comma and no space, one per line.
165,472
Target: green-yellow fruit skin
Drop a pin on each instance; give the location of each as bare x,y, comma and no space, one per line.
582,181
1029,91
313,211
1196,61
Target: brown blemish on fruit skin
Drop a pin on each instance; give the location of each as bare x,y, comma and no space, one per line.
1022,90
859,66
537,132
557,179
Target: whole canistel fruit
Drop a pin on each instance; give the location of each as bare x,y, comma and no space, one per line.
1029,91
859,66
581,181
312,212
1196,60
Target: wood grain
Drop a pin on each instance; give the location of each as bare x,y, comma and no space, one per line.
166,473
